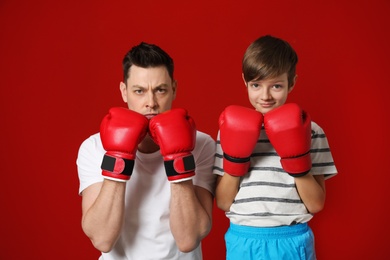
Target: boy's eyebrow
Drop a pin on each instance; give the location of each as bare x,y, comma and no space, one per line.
279,81
276,80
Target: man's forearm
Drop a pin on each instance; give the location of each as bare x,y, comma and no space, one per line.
190,221
103,220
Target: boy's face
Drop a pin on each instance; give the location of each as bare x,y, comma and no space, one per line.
149,91
268,94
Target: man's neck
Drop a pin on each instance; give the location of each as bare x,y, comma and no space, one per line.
148,145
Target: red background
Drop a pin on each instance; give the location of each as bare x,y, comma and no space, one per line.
60,68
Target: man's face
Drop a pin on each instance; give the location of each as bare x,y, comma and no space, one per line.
268,94
149,91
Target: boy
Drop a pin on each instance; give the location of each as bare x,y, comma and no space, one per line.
271,163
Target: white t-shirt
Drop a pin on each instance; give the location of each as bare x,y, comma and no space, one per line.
146,233
267,195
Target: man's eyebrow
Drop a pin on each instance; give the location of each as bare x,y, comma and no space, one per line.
162,85
136,86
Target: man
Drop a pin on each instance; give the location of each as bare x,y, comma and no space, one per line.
146,179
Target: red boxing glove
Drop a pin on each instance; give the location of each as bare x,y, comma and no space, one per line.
121,131
174,131
289,130
239,130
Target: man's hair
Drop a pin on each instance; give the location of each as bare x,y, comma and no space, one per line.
146,55
269,57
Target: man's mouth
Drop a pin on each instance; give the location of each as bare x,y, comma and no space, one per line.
149,116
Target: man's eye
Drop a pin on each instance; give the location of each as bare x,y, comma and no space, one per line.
161,90
138,91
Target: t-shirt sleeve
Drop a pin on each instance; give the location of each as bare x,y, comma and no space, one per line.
218,159
321,156
204,158
90,156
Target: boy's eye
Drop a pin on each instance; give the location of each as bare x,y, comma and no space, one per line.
255,85
277,86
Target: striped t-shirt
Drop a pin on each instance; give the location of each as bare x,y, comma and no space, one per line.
267,195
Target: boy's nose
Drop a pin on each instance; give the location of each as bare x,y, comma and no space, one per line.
265,95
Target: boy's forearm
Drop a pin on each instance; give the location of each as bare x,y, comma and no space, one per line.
311,189
226,191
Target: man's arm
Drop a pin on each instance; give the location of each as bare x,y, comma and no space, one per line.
103,213
190,214
103,203
191,206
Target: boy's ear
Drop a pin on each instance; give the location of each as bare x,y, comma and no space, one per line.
292,84
243,78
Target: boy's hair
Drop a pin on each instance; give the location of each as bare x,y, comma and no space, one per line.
146,55
269,57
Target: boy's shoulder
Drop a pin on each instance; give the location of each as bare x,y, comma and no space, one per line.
315,127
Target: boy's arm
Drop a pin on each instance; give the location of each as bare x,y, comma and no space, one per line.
311,189
239,130
226,191
289,130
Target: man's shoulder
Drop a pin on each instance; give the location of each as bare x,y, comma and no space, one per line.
203,137
93,141
93,138
205,144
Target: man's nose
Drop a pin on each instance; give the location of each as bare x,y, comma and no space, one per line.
151,101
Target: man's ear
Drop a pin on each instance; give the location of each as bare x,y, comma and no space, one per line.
123,90
174,88
291,87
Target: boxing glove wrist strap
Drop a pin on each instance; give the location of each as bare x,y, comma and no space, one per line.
236,160
117,165
179,166
297,166
235,166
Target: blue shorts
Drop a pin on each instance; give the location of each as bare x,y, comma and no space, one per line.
262,243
